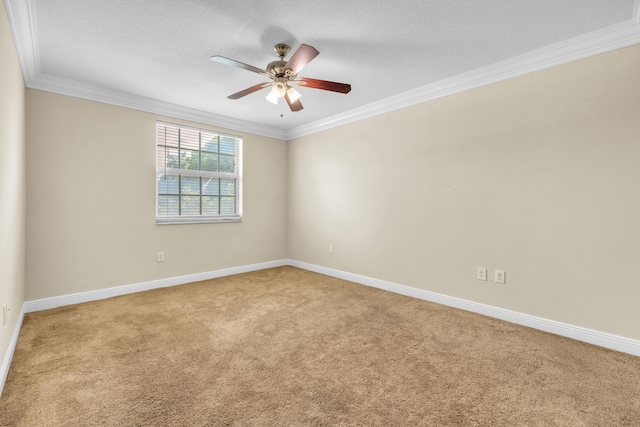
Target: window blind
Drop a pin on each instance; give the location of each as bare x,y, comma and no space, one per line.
198,175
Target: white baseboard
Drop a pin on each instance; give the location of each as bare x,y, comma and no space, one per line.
602,339
8,356
54,302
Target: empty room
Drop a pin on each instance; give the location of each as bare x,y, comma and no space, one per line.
418,213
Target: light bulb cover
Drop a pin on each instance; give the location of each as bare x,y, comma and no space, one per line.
294,95
272,98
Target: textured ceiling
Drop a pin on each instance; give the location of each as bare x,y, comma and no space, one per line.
161,49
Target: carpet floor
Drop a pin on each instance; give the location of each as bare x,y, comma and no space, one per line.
288,347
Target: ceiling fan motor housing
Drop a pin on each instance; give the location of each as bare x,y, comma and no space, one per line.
276,68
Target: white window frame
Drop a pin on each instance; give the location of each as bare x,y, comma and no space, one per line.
163,170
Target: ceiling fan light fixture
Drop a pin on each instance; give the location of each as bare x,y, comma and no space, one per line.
279,89
294,95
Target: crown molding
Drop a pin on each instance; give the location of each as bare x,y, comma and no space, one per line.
76,89
22,22
607,39
23,30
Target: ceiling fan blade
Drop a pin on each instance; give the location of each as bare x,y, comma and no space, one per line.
295,106
234,63
249,90
302,57
324,85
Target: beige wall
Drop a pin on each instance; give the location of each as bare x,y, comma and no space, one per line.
91,202
12,182
538,176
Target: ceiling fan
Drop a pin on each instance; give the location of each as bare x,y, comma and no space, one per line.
282,73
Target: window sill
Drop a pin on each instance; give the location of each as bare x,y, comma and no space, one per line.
196,220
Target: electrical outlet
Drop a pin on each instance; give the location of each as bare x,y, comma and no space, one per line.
331,249
160,257
5,313
482,273
500,276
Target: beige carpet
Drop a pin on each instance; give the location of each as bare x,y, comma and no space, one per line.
292,348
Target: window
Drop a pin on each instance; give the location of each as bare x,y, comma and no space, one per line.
198,175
